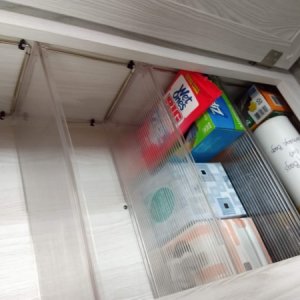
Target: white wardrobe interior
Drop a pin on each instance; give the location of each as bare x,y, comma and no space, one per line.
58,123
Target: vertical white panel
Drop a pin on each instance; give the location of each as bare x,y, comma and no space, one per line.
11,60
120,269
62,258
18,274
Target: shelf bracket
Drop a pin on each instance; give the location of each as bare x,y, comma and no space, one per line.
271,58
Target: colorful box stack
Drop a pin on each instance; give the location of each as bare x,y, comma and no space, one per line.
261,103
171,203
188,97
179,204
219,127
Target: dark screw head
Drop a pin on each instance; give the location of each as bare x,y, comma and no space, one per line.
22,44
252,63
131,65
92,122
125,206
2,115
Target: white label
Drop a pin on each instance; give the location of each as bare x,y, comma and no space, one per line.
262,108
183,99
215,109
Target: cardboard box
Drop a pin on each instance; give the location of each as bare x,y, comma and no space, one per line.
219,127
188,97
197,256
219,191
170,200
260,103
173,198
245,244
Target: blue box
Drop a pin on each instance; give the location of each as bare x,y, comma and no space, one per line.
214,131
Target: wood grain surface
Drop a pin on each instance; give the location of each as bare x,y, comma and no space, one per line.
86,87
120,270
18,274
275,17
11,59
242,29
278,281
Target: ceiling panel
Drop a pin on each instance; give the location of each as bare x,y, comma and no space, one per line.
246,30
276,17
11,59
86,86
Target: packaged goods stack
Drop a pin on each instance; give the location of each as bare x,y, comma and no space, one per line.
179,220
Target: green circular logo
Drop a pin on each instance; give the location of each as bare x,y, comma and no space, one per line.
162,204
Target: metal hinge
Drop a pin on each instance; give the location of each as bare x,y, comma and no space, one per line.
271,58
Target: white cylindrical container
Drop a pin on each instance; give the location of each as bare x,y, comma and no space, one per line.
281,143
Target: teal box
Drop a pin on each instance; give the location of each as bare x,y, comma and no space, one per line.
214,131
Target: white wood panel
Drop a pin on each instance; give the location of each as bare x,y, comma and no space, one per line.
83,39
278,281
247,30
18,275
86,87
11,59
276,17
120,269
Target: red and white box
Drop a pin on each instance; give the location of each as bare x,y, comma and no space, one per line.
244,243
188,97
